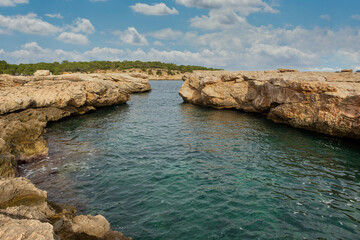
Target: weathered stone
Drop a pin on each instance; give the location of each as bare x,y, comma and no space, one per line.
347,70
26,214
8,166
25,229
96,226
324,102
20,191
29,103
42,73
41,211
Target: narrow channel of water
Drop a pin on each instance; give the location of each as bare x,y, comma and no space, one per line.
157,168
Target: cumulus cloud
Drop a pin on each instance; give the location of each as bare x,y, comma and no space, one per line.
356,17
245,7
131,36
155,9
73,38
29,23
325,17
83,25
12,3
217,19
167,34
225,13
55,15
158,43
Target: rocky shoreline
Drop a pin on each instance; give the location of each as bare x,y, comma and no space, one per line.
327,103
27,105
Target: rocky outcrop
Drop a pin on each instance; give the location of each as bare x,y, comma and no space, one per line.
25,213
28,103
328,103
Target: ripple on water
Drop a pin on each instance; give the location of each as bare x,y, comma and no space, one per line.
161,169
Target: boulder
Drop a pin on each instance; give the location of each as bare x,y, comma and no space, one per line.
96,226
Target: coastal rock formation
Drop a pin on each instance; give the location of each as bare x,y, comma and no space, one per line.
28,103
328,103
25,213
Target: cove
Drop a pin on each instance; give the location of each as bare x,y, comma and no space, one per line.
157,168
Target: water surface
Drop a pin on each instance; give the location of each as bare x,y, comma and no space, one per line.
157,168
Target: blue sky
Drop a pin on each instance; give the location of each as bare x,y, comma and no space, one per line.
230,34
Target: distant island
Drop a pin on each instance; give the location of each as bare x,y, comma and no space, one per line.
56,68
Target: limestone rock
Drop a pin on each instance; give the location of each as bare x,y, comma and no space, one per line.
347,70
27,104
39,73
25,213
8,165
20,191
328,103
25,229
96,226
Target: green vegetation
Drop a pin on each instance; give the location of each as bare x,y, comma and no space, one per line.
89,67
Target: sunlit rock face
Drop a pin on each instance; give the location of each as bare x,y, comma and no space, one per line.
328,103
27,104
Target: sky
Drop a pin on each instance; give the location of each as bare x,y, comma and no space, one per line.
309,35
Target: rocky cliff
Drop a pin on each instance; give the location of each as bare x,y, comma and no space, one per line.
28,103
328,103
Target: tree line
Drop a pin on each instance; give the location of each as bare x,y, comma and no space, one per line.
90,67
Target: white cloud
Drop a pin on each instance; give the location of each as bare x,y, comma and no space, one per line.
217,19
325,17
225,13
158,43
131,36
83,25
356,17
29,23
155,9
244,7
12,3
167,34
55,15
73,38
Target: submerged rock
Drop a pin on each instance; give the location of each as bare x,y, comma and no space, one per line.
328,103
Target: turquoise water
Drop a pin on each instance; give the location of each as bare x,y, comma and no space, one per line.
157,168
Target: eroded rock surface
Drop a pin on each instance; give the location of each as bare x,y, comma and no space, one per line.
328,103
26,214
27,104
